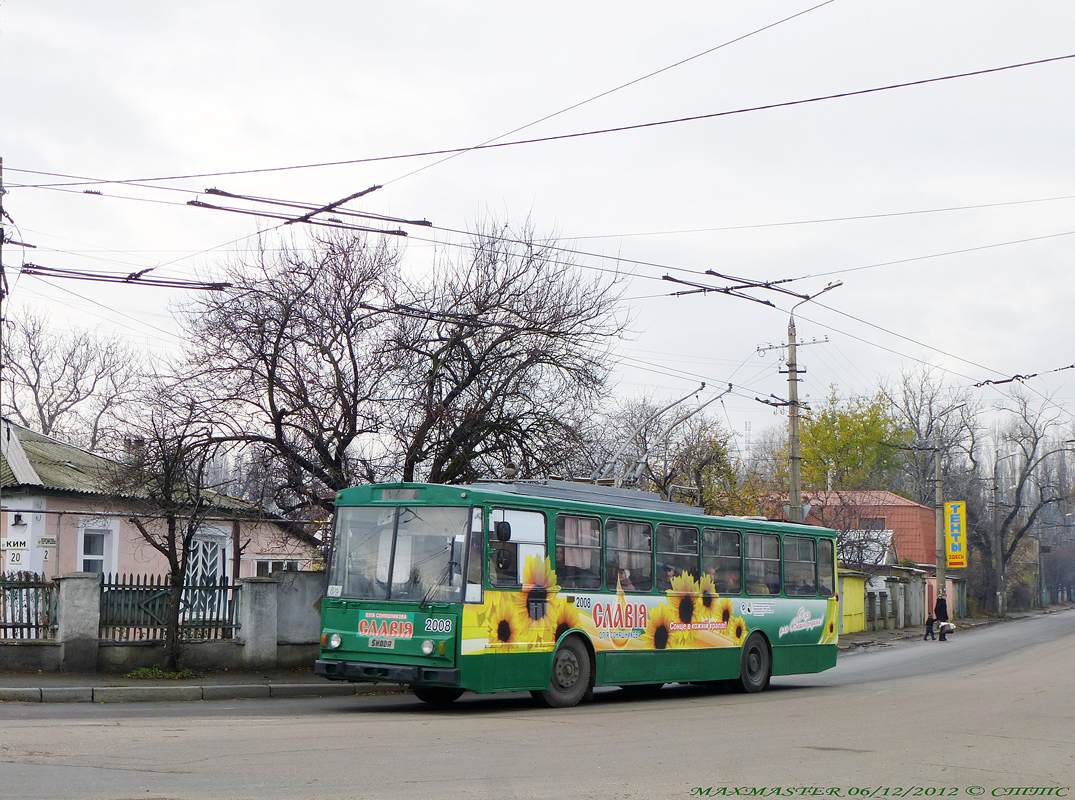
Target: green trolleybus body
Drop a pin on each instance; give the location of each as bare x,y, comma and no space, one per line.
559,587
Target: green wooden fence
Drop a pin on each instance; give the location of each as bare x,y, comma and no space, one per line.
135,607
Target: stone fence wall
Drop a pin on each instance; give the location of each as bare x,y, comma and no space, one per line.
279,618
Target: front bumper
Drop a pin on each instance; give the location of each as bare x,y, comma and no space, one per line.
390,673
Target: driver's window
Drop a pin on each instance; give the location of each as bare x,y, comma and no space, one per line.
525,533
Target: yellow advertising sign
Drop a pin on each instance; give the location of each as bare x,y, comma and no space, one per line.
955,534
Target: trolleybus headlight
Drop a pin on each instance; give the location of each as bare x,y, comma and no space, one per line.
335,640
428,647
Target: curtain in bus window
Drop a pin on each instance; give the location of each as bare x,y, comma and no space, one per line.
578,552
574,556
629,548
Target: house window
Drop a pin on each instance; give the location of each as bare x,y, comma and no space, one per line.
97,545
872,524
93,550
266,568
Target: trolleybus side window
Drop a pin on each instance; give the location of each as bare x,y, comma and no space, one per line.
629,555
826,568
763,563
677,553
722,560
514,536
578,552
800,566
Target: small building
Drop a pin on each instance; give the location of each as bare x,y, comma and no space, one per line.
58,517
891,540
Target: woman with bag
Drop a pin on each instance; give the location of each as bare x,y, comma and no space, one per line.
940,611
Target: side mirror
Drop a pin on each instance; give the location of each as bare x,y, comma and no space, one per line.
503,531
503,558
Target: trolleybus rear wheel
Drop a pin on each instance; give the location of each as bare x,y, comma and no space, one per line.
571,671
436,695
755,665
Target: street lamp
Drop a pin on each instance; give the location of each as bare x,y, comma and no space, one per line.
795,489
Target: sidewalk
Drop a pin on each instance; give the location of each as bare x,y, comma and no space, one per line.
887,638
68,687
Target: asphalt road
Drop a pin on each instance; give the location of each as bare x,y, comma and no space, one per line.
989,711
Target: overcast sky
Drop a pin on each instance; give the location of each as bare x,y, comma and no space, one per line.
946,209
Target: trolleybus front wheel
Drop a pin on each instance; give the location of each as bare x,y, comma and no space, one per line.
436,695
755,665
571,671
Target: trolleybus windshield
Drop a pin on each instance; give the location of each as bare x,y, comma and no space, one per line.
411,553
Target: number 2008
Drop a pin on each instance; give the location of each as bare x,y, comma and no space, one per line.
439,625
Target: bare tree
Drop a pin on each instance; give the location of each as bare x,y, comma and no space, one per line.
290,362
1029,468
933,415
164,478
330,369
74,386
498,357
683,453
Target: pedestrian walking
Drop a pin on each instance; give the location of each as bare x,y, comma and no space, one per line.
929,627
940,611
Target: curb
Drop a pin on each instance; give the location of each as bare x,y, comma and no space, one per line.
157,694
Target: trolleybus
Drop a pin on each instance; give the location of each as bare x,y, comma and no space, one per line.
558,587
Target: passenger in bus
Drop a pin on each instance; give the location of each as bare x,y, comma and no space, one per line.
623,577
731,582
665,573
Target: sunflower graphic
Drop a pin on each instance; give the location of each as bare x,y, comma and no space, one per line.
658,633
725,611
736,631
707,597
685,598
534,602
564,617
829,634
504,627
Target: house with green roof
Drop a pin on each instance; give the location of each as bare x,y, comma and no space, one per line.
57,516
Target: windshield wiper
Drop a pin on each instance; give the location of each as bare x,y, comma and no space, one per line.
439,582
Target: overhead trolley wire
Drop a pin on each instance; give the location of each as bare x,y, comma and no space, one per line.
578,134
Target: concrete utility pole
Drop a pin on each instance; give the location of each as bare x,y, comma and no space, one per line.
938,501
998,542
795,487
938,505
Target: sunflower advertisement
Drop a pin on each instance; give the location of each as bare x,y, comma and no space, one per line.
691,614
